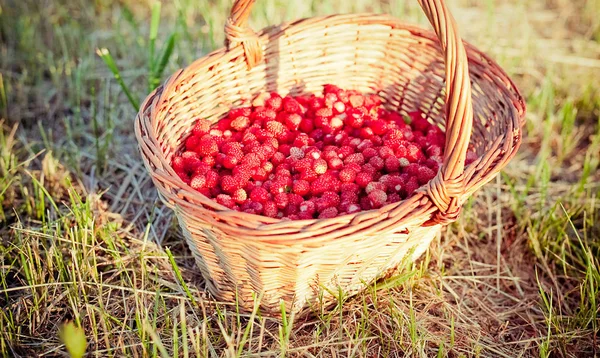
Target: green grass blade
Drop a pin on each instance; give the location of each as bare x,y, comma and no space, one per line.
112,66
164,60
153,33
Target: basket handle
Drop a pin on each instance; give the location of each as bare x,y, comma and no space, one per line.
446,189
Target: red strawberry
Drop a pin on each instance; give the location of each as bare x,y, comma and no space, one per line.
324,112
226,201
239,195
328,213
259,194
424,175
270,209
212,179
369,152
290,105
201,127
363,179
207,147
301,187
357,158
229,184
240,123
377,198
410,186
377,162
356,100
198,181
347,175
281,200
375,186
379,127
292,121
192,142
392,164
320,166
335,163
274,102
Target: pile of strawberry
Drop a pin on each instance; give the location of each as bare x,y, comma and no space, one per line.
311,156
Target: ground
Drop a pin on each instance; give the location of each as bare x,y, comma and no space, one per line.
83,238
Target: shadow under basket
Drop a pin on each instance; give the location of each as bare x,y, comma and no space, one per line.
308,262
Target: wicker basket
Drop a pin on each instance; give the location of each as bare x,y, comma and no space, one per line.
305,262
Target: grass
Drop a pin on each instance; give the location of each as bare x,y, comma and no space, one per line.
86,247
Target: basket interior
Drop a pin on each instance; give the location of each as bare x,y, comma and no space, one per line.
402,64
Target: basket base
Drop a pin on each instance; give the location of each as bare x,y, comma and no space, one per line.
313,288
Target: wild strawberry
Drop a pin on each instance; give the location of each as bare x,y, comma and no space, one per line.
306,125
281,200
239,195
339,107
377,162
229,184
363,179
356,100
327,200
321,185
292,121
274,102
357,158
369,152
278,186
414,153
386,152
368,168
240,123
377,198
201,127
432,164
226,201
290,105
209,160
425,174
335,163
301,187
328,213
295,199
190,164
212,179
345,151
379,127
192,142
375,186
230,162
393,198
392,164
259,194
403,162
207,147
178,164
366,133
320,166
263,115
355,118
354,167
347,175
324,112
198,181
410,186
240,111
308,175
270,209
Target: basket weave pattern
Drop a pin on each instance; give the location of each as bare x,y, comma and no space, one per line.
454,84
